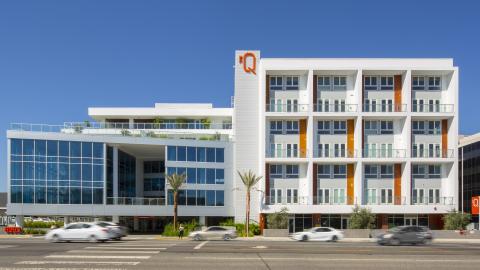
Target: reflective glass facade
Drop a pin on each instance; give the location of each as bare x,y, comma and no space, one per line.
195,154
56,172
198,197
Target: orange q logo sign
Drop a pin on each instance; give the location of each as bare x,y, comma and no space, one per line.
475,205
249,67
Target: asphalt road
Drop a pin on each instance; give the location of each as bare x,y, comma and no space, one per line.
36,254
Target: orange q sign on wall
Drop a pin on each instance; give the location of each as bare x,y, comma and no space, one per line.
475,205
249,62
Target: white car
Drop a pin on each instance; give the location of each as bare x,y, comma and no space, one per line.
319,234
80,231
117,231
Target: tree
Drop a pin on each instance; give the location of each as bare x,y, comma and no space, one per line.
175,181
456,220
249,180
361,218
278,220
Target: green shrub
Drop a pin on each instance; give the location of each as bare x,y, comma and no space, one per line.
34,231
42,224
278,220
169,230
361,218
456,220
254,229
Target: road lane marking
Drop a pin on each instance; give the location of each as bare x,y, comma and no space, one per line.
115,251
97,257
199,246
332,259
6,246
129,245
128,248
75,262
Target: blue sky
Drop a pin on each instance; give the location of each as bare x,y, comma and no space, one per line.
59,57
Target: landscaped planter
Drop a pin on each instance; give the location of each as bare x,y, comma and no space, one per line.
275,232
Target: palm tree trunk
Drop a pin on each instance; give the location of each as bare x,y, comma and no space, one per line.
247,223
175,210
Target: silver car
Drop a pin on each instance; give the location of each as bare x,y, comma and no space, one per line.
214,232
116,230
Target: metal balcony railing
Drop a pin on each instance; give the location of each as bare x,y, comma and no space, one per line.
384,153
290,108
423,200
135,201
433,153
272,200
332,200
385,200
335,153
147,126
286,153
335,107
384,107
435,108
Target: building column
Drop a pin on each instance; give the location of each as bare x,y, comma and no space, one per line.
66,220
136,224
115,219
201,220
115,171
19,221
130,123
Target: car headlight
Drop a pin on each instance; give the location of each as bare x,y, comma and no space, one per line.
388,235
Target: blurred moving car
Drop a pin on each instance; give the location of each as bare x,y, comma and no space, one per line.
319,234
117,231
80,231
406,235
214,232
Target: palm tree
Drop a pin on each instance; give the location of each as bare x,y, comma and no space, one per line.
249,180
175,181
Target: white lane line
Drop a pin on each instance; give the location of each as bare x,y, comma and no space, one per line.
130,245
128,248
332,259
115,251
199,246
97,257
6,246
75,262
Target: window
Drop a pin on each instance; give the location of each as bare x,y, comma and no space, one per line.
323,196
323,150
340,83
386,171
191,176
210,154
386,83
219,155
371,196
371,127
292,83
339,171
418,83
386,127
276,83
386,196
323,127
323,171
276,171
434,83
201,156
181,153
276,127
418,171
418,127
434,128
338,196
292,195
339,127
291,171
210,176
201,176
339,150
370,83
434,171
191,153
370,171
219,176
275,196
219,198
323,83
292,127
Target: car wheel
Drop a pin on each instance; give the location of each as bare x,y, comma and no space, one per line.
197,237
334,238
305,238
56,238
227,237
427,241
92,239
394,242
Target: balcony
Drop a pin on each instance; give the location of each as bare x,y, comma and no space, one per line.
286,107
285,200
135,201
386,200
386,107
147,126
432,108
421,200
335,153
384,153
433,153
348,108
345,200
286,153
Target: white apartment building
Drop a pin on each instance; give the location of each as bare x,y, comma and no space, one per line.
325,134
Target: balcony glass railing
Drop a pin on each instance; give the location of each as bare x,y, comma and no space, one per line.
369,107
332,200
286,153
435,108
335,107
423,200
272,200
135,201
385,200
286,107
335,153
433,153
147,126
384,153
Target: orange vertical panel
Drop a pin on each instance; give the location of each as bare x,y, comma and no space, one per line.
267,90
316,220
444,138
261,223
350,185
397,185
303,138
397,88
350,140
314,90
